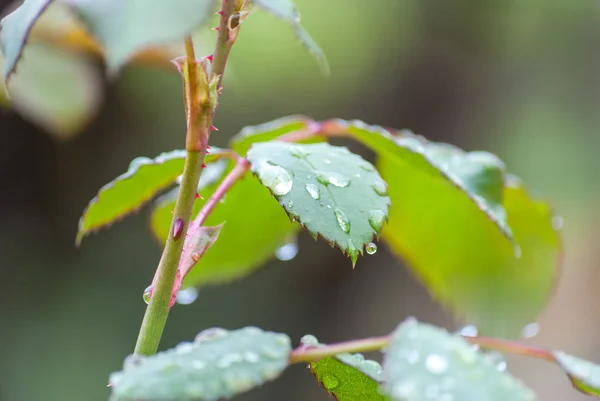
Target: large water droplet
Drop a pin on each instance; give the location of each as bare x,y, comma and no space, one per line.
531,330
313,190
276,178
380,188
287,251
147,294
187,296
335,179
338,180
468,331
377,220
184,348
371,248
436,364
342,220
330,382
211,334
309,340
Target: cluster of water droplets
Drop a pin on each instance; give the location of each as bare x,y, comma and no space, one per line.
217,364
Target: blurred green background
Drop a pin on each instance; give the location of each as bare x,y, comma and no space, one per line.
518,78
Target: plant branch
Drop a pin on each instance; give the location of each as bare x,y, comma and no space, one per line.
200,103
305,354
241,167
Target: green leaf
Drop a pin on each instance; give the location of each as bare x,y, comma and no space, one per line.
472,234
424,362
330,191
286,10
131,190
247,204
14,29
348,377
218,364
55,89
269,131
124,27
584,375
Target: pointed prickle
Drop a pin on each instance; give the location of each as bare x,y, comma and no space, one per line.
213,128
209,57
177,228
198,196
219,12
203,165
215,29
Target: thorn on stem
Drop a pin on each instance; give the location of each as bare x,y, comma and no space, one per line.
213,128
177,228
203,165
210,57
215,29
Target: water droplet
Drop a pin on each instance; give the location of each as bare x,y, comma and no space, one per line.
380,188
338,180
330,382
557,222
518,252
298,152
359,357
411,356
309,340
229,359
326,161
323,179
367,166
468,331
467,356
342,220
271,352
531,330
377,220
497,359
436,364
187,296
276,178
287,251
372,367
211,334
198,364
313,190
184,348
328,206
334,179
147,294
132,361
371,248
251,357
357,175
290,204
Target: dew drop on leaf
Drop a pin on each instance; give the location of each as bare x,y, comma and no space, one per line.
436,364
557,222
287,251
290,204
338,180
298,152
377,220
147,294
276,178
313,190
214,333
342,220
380,188
371,248
186,296
330,382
